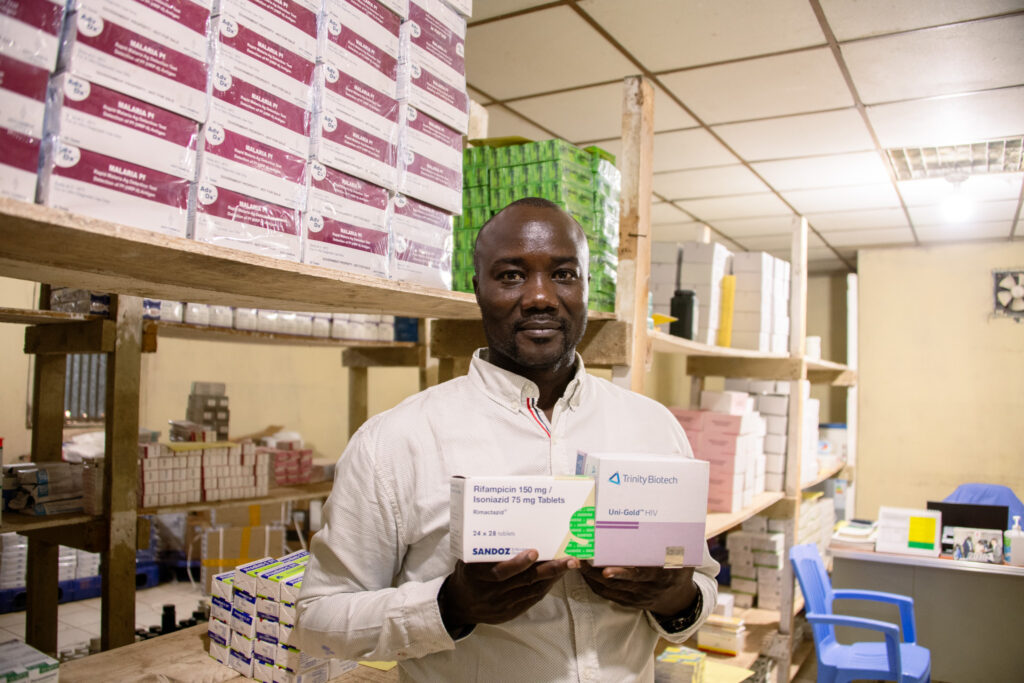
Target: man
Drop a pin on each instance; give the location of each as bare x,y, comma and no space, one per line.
382,583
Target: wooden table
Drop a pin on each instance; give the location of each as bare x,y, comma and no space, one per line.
179,657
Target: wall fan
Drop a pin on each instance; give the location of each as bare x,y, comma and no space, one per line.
1009,293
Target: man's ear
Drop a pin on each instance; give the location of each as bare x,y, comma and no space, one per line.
476,285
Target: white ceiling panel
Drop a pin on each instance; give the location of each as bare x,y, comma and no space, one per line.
871,236
667,114
956,233
663,213
980,212
550,50
982,188
707,182
781,242
961,58
478,96
770,86
668,34
741,206
501,123
874,17
486,9
831,132
950,120
862,168
745,228
613,147
684,149
587,114
858,220
878,196
676,232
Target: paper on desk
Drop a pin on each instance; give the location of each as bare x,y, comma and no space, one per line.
383,666
717,672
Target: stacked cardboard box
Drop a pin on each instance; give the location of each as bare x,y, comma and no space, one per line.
13,560
291,466
752,322
186,472
21,662
780,306
421,239
704,264
44,488
208,406
753,549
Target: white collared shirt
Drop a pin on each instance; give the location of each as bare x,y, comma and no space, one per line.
370,589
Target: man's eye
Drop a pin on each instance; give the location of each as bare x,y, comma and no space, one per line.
564,275
510,276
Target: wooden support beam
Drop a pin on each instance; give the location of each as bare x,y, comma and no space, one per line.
92,336
761,368
837,378
41,592
636,163
91,536
121,472
48,377
384,357
358,397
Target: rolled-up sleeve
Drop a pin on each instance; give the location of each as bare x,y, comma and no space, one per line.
348,607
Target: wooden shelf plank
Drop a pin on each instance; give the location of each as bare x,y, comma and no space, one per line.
275,495
18,523
31,316
172,330
54,246
824,474
667,343
719,522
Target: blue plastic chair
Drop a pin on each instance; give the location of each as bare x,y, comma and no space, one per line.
891,660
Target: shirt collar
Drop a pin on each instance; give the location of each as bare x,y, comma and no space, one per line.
511,391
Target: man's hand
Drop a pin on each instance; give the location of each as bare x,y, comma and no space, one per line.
495,592
663,592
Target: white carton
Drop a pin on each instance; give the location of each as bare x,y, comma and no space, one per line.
237,221
247,106
705,252
96,118
102,51
421,243
18,165
651,509
496,518
22,96
430,161
183,25
30,31
431,94
234,161
399,7
349,147
345,226
435,38
729,402
353,100
250,55
360,37
101,186
291,24
463,7
20,661
220,632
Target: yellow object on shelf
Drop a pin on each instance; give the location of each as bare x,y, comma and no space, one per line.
725,317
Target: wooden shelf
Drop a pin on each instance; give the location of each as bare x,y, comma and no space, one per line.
824,474
668,343
17,522
162,329
29,316
278,494
54,246
760,624
828,372
719,522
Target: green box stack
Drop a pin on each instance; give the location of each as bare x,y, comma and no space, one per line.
583,182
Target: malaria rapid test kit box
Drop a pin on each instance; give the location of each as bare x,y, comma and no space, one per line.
360,37
234,220
22,96
345,223
421,243
430,161
432,64
30,31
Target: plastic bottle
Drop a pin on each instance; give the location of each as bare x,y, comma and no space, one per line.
1013,546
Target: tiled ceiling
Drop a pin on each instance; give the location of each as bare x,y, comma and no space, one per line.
767,110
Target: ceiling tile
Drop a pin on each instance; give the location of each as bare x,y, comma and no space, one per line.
961,58
478,96
869,237
745,228
587,114
862,168
981,212
665,213
676,232
874,17
779,241
982,188
770,86
797,136
707,182
539,52
856,220
975,231
501,123
668,34
486,9
741,206
692,148
667,114
613,147
950,120
878,196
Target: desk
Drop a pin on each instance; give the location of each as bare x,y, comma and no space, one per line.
967,613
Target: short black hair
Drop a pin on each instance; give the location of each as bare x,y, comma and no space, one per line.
538,202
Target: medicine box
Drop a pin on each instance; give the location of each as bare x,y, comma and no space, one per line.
729,402
360,38
496,518
22,96
30,31
651,509
18,165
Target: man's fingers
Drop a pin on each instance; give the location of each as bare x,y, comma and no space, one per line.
503,571
552,569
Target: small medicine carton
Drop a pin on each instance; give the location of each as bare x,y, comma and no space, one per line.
496,518
651,509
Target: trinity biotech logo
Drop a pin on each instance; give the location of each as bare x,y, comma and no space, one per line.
614,478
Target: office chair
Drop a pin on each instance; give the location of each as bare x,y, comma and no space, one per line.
892,660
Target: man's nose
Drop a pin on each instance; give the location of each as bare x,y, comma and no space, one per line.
539,293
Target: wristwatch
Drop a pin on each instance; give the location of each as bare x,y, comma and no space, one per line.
677,623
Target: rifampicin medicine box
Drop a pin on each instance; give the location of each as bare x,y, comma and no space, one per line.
496,518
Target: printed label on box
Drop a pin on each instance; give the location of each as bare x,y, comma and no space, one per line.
291,23
182,24
234,220
347,97
427,264
344,246
237,162
347,198
259,59
437,39
353,53
345,146
29,30
18,165
22,96
432,95
375,22
259,113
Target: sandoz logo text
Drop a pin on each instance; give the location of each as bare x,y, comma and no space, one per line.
490,551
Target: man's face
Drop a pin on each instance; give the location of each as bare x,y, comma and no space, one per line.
532,287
